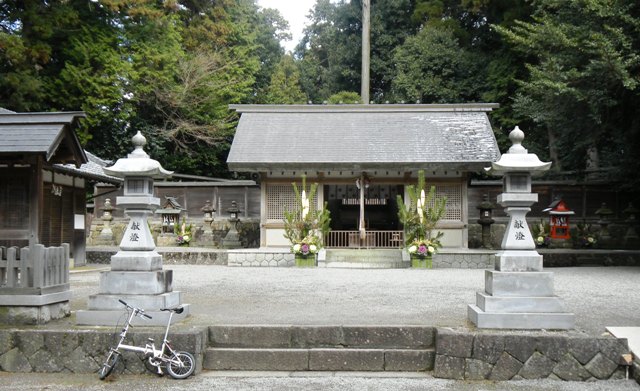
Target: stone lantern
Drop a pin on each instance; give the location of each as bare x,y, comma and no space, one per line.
604,213
106,235
631,236
232,239
136,274
485,220
518,294
207,235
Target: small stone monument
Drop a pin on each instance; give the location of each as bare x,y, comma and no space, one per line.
136,274
106,235
518,294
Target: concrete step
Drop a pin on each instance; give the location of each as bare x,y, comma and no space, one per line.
330,359
320,348
364,258
311,337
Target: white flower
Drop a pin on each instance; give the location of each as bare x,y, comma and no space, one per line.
185,238
431,250
413,249
296,247
313,248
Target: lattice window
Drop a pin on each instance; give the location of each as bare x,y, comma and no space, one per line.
453,192
281,198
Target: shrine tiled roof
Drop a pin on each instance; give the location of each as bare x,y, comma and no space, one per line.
334,137
49,134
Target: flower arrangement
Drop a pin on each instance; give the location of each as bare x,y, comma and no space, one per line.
586,238
183,233
424,248
305,226
540,232
420,217
307,246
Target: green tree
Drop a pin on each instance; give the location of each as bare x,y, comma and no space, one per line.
285,83
431,67
583,81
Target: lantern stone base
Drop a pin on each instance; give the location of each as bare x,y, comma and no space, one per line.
537,320
519,300
113,318
136,261
33,315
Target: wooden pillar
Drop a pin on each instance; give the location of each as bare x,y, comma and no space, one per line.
36,201
366,50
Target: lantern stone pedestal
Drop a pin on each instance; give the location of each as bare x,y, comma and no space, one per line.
518,293
136,274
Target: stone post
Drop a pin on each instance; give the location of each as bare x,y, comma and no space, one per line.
518,294
136,274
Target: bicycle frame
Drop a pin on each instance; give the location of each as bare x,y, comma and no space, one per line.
179,364
149,347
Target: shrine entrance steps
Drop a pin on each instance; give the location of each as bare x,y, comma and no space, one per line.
320,348
364,258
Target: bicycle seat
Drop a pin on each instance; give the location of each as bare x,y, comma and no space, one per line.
177,310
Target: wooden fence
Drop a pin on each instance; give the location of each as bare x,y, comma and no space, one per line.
373,239
46,267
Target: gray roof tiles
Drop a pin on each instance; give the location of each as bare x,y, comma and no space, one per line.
39,133
339,137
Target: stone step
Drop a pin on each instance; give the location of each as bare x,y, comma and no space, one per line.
311,337
364,258
328,359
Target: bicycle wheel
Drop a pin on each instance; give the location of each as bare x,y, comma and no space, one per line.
109,364
181,365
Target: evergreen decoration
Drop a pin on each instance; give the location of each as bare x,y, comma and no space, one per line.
420,217
306,226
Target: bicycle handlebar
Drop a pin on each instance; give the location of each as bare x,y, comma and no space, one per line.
138,311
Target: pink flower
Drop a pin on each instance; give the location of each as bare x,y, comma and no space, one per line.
304,249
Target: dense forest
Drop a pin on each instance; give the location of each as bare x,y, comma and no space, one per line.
566,71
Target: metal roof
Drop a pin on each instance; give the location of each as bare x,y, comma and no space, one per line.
334,137
51,134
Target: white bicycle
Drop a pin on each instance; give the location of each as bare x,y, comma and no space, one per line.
179,365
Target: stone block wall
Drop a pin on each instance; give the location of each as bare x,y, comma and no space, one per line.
260,259
463,261
184,256
84,351
479,356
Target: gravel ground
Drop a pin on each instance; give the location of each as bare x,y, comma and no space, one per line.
599,296
237,381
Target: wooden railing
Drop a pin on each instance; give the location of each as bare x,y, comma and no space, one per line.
373,239
46,267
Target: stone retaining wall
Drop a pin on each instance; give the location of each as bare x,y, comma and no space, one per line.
83,351
185,256
478,356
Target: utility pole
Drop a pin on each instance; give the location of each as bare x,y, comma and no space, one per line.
366,49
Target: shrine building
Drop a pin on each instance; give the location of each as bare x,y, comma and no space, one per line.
374,149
